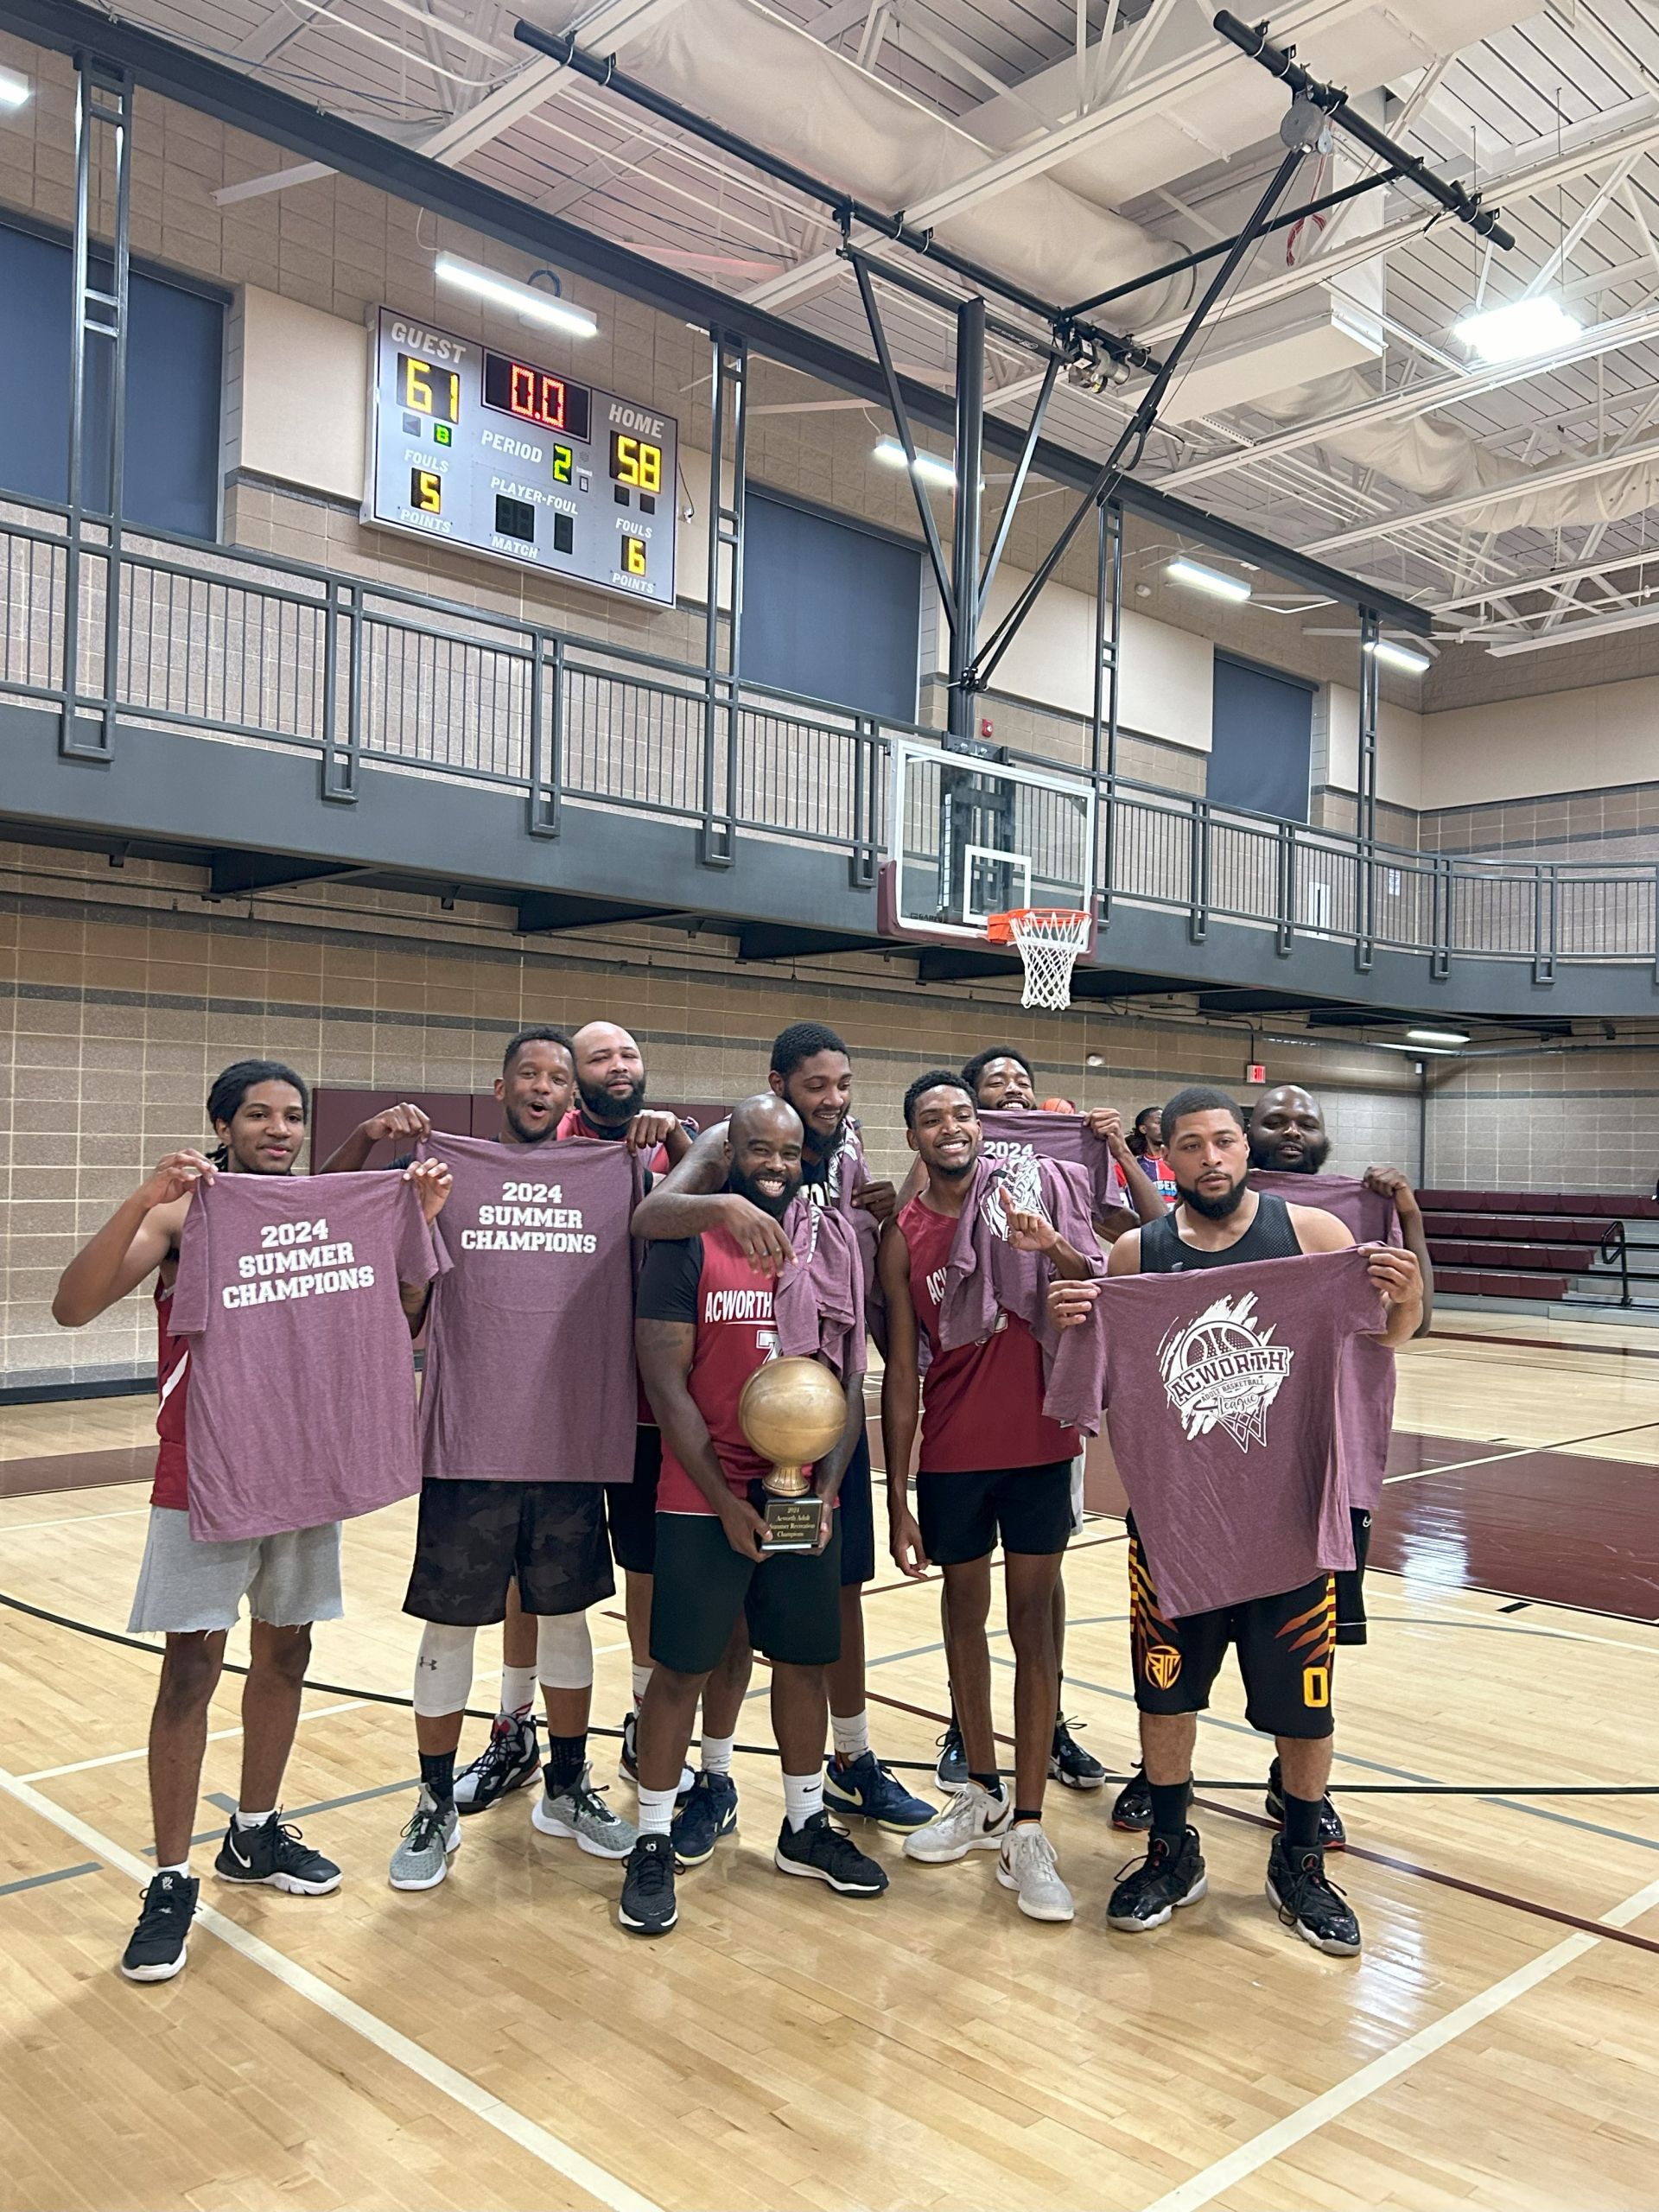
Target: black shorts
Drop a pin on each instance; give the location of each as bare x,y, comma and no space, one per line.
857,1518
1286,1651
474,1538
1350,1582
962,1513
792,1601
631,1508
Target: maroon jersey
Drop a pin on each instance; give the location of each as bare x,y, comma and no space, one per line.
982,1403
706,1281
171,1375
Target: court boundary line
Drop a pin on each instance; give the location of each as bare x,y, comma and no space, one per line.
572,2166
214,1736
1516,1451
1261,2150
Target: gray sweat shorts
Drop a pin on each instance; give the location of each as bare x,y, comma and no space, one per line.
185,1587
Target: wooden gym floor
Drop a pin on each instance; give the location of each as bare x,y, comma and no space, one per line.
498,2043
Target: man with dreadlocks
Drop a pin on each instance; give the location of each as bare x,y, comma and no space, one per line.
192,1592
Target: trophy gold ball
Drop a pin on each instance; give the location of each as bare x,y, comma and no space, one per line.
792,1411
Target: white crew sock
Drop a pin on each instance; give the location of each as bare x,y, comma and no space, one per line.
184,1867
517,1689
641,1679
655,1810
717,1753
852,1735
803,1796
252,1819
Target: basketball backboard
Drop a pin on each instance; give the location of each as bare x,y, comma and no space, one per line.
968,837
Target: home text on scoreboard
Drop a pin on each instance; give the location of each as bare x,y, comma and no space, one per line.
511,458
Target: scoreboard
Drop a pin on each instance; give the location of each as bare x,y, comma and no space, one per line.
506,457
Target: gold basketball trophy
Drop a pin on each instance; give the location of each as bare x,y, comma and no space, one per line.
792,1411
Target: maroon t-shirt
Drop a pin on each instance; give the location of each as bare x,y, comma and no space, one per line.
707,1282
1220,1390
1365,1396
303,1377
171,1486
981,1403
529,1363
1014,1135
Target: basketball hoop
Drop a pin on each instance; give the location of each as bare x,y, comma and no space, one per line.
1049,940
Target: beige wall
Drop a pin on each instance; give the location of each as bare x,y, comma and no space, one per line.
1400,745
1578,741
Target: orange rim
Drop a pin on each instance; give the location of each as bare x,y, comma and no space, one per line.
999,928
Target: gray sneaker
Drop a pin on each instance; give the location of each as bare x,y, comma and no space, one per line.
582,1813
422,1859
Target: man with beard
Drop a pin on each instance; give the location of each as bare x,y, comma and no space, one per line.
812,1072
1286,1643
992,1466
1001,1081
705,1324
536,1089
192,1592
611,1104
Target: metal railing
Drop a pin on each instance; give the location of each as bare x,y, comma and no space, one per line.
255,650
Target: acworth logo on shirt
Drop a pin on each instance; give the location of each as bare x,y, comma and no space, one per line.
1019,1175
1220,1370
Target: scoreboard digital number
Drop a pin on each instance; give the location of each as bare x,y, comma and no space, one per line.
509,458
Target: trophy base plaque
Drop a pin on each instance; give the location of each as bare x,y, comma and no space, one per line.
792,1523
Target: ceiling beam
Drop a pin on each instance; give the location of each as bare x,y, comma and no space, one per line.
1555,477
252,104
1063,142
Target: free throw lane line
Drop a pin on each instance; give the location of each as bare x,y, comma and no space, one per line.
558,2157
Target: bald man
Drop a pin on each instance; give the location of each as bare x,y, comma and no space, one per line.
704,1326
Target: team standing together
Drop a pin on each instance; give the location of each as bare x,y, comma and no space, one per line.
596,1274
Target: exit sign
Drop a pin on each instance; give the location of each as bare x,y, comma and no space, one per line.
1255,1072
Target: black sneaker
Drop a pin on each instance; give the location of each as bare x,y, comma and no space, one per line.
1069,1762
278,1856
507,1761
707,1814
156,1949
1164,1880
648,1906
1332,1835
1314,1907
1132,1807
951,1771
828,1853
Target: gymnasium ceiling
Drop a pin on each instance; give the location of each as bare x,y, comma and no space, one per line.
1333,407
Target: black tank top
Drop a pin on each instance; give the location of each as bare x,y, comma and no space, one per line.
1271,1235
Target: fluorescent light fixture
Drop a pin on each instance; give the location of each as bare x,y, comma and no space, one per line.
1194,573
1417,1052
507,292
14,91
929,466
1437,1036
1518,330
1394,656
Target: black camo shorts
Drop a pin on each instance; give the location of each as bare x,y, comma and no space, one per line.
475,1538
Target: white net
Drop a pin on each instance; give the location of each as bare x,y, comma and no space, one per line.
1050,938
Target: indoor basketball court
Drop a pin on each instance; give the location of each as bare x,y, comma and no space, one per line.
725,731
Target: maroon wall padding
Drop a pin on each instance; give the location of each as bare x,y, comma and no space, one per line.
1546,1287
1454,1279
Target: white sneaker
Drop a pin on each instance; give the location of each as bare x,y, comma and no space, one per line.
1028,1867
973,1820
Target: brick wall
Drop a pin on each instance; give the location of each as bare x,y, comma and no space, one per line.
123,992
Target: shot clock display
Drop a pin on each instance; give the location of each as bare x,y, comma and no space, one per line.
515,460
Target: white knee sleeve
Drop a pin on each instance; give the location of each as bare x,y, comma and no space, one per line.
444,1670
564,1652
